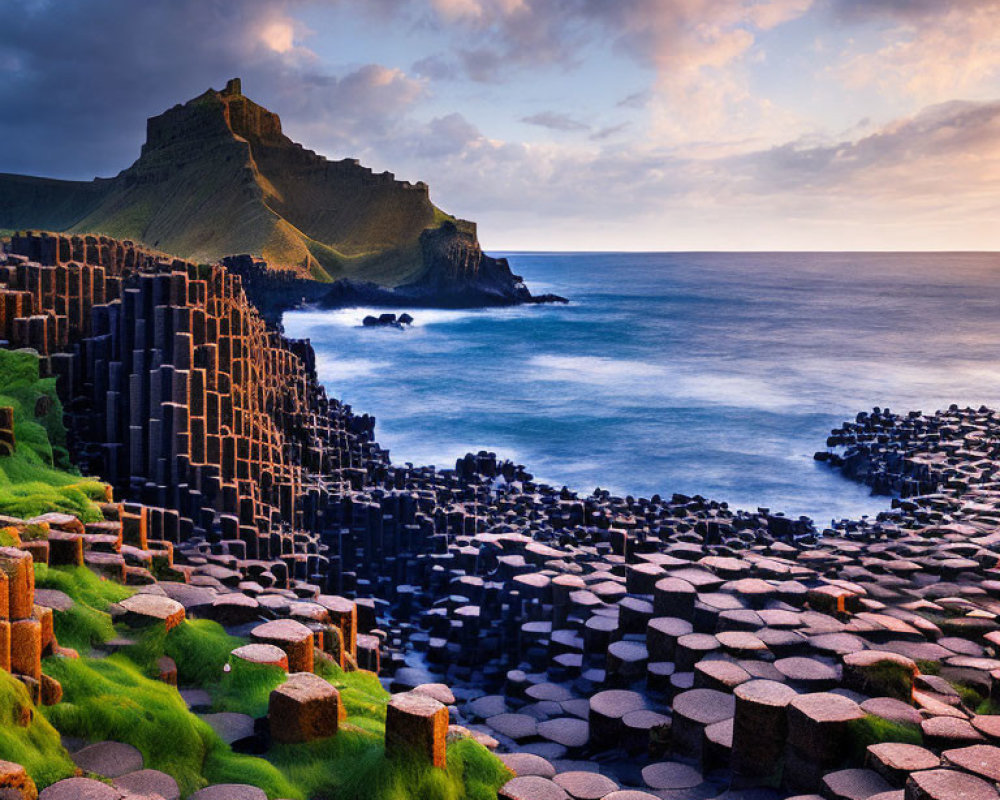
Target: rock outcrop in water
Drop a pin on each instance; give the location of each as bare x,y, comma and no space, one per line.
217,176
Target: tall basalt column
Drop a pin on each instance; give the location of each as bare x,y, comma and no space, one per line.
171,362
760,727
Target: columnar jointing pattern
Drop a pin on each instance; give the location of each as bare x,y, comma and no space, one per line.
180,396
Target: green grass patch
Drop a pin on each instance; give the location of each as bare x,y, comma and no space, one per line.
352,766
38,477
888,679
87,623
871,730
112,699
199,647
246,688
82,585
971,696
27,738
988,707
118,698
82,628
441,217
928,667
361,692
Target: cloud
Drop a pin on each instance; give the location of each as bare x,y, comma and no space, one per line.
917,181
434,67
700,157
934,153
82,78
674,36
609,131
442,137
697,49
556,121
635,100
278,35
863,10
932,51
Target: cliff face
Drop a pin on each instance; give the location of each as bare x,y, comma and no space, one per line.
217,176
454,261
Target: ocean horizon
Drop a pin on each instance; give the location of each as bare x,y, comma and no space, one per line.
718,374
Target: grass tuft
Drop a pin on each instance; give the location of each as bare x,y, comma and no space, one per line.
111,699
352,766
199,647
27,738
38,477
87,623
361,692
988,708
246,688
871,730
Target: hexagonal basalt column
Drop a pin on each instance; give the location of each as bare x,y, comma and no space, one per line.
416,725
760,727
304,708
292,637
818,736
20,584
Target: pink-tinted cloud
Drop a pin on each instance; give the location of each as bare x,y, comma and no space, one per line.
928,180
931,52
671,35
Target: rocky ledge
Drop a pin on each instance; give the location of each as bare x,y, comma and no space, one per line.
275,291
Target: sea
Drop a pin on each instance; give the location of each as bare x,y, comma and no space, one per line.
718,374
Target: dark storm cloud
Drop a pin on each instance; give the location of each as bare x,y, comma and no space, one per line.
80,78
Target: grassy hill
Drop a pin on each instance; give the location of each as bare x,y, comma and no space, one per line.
217,177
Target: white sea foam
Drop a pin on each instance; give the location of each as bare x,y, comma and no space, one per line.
903,386
443,455
333,370
677,382
310,323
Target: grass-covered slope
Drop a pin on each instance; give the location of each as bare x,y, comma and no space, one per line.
87,623
46,203
118,698
217,177
27,738
37,478
112,698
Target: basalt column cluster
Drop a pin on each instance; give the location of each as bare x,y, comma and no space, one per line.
180,396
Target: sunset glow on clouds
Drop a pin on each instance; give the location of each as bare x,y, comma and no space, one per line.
564,124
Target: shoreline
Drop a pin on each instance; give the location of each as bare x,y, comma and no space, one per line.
643,639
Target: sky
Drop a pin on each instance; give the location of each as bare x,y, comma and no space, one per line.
562,124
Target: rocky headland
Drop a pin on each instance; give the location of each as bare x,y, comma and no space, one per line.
246,560
218,177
